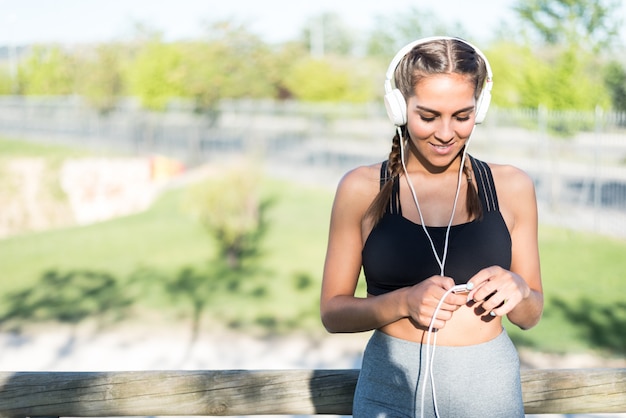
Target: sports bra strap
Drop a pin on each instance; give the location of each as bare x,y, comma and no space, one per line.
486,185
394,202
384,174
484,181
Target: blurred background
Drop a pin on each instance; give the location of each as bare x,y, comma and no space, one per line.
167,171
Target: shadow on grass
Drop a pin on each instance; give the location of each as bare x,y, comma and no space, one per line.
602,324
201,286
73,296
66,297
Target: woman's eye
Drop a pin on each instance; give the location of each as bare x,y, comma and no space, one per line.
427,119
462,118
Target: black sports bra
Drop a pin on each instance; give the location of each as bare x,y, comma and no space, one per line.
397,252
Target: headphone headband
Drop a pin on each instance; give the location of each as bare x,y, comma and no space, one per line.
395,101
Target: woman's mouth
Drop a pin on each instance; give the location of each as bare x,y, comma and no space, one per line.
442,149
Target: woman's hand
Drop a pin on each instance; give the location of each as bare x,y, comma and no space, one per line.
497,291
422,300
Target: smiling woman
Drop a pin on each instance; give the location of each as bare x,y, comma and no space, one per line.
404,223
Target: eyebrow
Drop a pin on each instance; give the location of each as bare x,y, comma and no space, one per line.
425,109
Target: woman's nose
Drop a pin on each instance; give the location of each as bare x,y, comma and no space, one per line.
444,131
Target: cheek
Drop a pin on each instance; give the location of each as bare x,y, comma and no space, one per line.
465,129
420,129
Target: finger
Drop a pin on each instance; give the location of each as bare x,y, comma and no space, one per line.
451,299
479,281
457,300
441,319
471,295
437,324
501,309
485,292
446,283
450,308
482,276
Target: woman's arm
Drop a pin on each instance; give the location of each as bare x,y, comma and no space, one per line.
341,310
525,250
520,288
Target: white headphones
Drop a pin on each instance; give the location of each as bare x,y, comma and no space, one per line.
395,103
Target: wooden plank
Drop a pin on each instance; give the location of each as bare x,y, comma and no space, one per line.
212,393
263,392
575,391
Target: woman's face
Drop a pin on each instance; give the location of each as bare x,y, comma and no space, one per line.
440,117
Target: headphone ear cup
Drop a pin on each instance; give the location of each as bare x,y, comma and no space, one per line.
396,107
483,105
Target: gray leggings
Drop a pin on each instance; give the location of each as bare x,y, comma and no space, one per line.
481,380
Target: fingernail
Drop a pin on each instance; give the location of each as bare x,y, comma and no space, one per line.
492,313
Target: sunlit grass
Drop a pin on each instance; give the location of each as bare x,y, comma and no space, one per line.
583,273
23,148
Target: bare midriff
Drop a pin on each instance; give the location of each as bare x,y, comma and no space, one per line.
466,327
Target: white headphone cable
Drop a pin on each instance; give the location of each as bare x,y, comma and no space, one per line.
440,261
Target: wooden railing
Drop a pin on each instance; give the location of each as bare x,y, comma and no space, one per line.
265,392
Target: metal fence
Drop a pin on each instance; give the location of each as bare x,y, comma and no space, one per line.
577,159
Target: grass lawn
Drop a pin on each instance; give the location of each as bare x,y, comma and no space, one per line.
154,247
128,266
585,307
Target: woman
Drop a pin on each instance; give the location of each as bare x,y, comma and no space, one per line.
428,219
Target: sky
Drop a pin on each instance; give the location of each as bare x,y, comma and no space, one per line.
78,21
83,21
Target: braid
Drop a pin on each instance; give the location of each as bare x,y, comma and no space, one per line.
395,163
474,208
394,167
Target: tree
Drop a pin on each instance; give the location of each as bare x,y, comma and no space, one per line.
329,79
233,212
615,80
574,84
588,24
555,78
6,82
229,63
99,77
392,32
518,75
156,76
47,71
281,60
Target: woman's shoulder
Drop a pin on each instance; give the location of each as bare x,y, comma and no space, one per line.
511,178
360,185
516,192
362,178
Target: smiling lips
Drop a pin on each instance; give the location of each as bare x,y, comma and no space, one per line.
442,149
